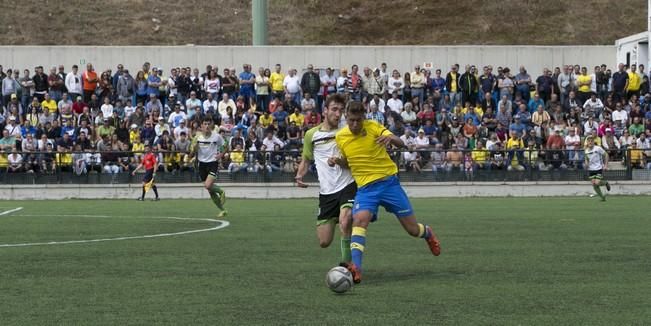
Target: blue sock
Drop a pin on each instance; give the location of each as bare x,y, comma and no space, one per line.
357,243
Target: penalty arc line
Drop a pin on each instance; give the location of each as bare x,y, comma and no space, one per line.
222,224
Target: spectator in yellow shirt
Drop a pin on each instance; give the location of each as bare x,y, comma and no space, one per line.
49,104
266,120
515,147
480,157
276,81
634,82
297,117
584,81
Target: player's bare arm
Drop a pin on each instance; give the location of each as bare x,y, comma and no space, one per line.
390,139
300,173
341,161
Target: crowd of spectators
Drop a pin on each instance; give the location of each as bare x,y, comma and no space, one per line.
83,121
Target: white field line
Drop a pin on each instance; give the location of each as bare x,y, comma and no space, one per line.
221,225
10,211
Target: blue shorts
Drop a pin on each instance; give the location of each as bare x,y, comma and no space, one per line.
386,193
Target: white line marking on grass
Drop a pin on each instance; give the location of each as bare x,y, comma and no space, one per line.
222,224
10,211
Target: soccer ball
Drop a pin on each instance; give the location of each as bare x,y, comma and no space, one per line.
339,279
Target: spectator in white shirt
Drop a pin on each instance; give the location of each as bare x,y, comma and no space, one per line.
181,128
292,85
620,115
73,82
270,140
224,104
395,103
210,105
573,145
212,83
593,106
176,116
107,108
395,83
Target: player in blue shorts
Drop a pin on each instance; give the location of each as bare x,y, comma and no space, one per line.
363,149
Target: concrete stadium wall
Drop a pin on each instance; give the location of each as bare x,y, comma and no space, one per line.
288,191
401,57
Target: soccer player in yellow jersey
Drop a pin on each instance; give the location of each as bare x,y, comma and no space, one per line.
363,149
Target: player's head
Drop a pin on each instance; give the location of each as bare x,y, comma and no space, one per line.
334,108
589,141
355,117
207,125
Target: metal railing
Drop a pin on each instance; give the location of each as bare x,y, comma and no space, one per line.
423,165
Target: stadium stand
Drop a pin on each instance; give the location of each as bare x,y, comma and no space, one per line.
471,122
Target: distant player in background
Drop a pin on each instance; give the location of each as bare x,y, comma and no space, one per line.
596,159
149,162
337,186
363,147
207,147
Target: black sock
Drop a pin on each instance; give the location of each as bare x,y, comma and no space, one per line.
155,190
143,192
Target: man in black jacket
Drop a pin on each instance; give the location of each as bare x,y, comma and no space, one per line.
311,81
469,86
452,84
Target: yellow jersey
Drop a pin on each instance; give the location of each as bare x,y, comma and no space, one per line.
276,81
479,155
584,81
368,160
266,121
50,105
298,118
633,81
453,84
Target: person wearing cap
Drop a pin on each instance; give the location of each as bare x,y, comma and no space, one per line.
13,128
182,127
175,117
422,143
161,126
610,143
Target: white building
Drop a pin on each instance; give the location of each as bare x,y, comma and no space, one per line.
633,49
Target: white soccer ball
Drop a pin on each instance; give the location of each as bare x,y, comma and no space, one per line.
339,279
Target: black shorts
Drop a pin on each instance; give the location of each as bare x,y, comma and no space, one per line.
329,205
149,174
596,174
208,168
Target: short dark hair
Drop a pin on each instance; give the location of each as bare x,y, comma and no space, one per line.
337,98
355,108
75,66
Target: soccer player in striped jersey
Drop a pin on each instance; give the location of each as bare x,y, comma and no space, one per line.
207,145
363,147
149,162
337,187
596,159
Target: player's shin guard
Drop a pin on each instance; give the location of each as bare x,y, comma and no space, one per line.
345,250
424,231
357,243
597,189
215,193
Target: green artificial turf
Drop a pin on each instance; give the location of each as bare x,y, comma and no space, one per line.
504,261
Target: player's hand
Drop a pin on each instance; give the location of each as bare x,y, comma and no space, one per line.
384,140
133,173
332,161
300,183
605,168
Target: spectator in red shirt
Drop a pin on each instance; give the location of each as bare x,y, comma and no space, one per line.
426,114
149,162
